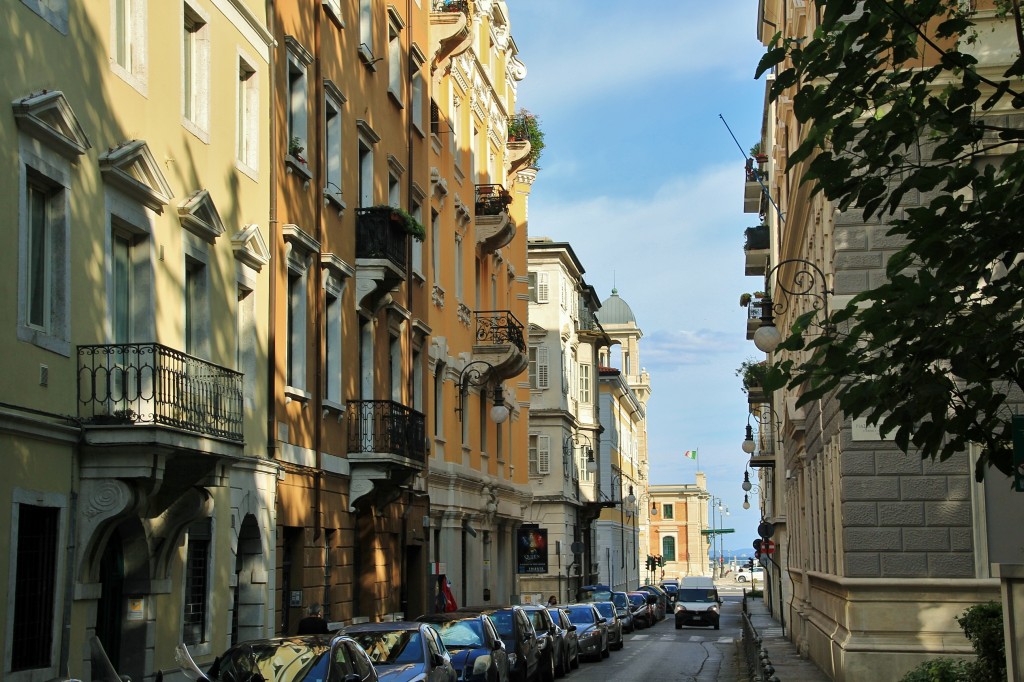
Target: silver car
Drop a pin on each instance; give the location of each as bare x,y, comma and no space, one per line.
611,615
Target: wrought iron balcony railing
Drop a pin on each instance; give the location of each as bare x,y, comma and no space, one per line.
380,235
492,200
149,383
498,327
384,426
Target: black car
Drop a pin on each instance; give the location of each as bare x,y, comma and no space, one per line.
570,642
549,646
623,610
303,658
591,628
403,651
614,625
643,610
478,654
516,631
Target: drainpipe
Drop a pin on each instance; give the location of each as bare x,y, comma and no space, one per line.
275,235
318,314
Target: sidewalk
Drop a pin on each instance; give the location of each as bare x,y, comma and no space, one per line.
781,652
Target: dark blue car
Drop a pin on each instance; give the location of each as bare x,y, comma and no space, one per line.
477,652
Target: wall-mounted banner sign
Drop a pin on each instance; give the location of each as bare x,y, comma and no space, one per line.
531,549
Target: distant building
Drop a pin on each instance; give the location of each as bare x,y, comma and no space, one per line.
678,513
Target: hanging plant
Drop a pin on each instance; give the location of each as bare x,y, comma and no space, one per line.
406,220
526,126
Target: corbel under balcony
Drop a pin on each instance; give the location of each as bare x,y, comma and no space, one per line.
494,231
518,156
450,36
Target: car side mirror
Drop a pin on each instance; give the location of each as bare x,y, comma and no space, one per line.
497,645
572,628
602,620
437,660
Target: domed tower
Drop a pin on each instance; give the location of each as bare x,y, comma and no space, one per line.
619,323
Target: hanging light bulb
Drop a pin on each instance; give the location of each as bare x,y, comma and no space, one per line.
746,502
748,441
746,482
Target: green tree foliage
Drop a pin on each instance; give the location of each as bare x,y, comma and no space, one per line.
896,111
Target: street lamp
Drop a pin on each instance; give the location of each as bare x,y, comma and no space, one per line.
805,283
769,430
477,373
580,441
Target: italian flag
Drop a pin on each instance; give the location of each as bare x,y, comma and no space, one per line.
690,454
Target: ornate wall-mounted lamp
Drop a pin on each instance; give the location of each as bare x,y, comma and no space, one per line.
582,442
805,282
477,373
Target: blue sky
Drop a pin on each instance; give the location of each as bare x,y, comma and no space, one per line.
641,176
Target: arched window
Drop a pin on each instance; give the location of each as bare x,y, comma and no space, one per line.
668,548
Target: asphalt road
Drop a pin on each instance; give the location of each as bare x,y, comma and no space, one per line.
664,654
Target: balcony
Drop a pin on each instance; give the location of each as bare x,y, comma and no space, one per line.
501,342
756,250
494,226
450,33
753,317
752,191
382,242
386,448
124,385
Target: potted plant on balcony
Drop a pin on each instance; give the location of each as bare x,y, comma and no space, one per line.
757,238
753,374
757,154
526,126
402,217
295,150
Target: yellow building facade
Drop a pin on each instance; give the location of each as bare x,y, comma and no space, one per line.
136,197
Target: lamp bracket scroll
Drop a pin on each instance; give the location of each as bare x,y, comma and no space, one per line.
478,373
805,283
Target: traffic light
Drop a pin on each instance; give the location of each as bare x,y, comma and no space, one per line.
750,563
650,562
661,560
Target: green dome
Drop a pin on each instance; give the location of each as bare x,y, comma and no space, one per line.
615,311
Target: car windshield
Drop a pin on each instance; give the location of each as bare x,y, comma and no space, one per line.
284,661
581,615
460,634
620,599
555,616
670,588
691,594
606,608
637,599
391,648
503,622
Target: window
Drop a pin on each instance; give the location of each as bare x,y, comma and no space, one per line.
395,59
453,128
666,511
419,90
43,300
298,108
584,383
299,255
538,367
539,454
395,366
367,140
197,583
34,586
332,348
197,308
439,371
247,144
128,41
53,12
333,100
435,246
668,548
246,341
195,71
366,31
417,245
458,267
543,288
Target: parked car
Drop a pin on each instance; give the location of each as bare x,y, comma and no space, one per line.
571,644
593,593
661,608
516,631
623,610
670,586
591,629
610,613
303,658
404,651
643,610
549,646
698,606
746,575
478,654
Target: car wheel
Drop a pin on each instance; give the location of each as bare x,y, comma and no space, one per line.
575,663
716,626
605,652
679,626
549,669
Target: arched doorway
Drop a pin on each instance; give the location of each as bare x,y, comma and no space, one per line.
250,588
123,609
